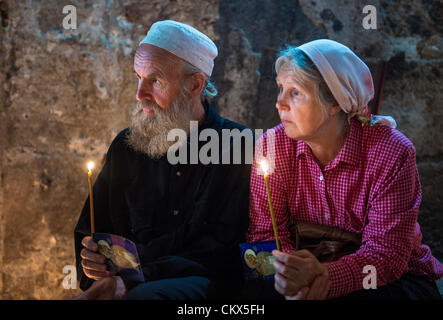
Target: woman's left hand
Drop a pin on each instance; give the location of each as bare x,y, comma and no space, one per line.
318,291
296,271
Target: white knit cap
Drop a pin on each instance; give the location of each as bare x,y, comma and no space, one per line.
185,42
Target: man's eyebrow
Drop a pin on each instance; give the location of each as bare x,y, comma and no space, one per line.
155,75
152,75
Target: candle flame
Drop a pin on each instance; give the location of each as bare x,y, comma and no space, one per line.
264,166
90,165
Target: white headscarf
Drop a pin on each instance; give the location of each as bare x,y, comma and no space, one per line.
347,76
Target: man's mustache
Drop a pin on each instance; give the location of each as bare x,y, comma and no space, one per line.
148,104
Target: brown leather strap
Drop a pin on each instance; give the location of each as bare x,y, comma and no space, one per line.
326,243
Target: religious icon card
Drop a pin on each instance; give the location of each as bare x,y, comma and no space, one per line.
258,260
121,255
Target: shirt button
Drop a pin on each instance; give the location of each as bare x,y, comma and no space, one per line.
321,178
178,173
175,212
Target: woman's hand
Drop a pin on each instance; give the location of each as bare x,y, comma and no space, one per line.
299,275
318,291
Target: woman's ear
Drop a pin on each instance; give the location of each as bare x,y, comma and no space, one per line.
334,109
198,81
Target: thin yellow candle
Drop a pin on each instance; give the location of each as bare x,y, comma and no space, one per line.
264,166
91,198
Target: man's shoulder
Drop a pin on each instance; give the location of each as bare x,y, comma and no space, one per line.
119,143
229,124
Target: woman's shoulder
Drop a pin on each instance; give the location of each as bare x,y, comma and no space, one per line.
384,140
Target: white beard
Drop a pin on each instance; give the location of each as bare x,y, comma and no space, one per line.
148,132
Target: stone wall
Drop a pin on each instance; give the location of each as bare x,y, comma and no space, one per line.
64,94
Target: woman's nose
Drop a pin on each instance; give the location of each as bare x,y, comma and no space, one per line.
282,104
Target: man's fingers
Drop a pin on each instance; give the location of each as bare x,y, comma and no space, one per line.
95,275
92,256
88,243
86,264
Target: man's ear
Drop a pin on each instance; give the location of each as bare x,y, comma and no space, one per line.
198,81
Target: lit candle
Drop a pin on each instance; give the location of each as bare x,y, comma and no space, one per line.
264,166
91,198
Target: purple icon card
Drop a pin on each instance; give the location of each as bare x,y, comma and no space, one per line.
121,255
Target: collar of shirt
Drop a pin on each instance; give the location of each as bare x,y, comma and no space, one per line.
212,119
349,153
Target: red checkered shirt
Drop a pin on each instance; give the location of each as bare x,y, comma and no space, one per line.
372,187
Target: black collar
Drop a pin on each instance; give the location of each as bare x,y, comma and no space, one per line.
212,118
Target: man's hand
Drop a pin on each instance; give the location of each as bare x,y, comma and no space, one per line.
103,289
93,263
297,270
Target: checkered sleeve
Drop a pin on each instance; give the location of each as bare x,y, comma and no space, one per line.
388,236
260,222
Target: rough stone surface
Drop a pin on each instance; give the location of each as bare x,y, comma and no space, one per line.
64,94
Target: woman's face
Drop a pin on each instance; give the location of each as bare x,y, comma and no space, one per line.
301,114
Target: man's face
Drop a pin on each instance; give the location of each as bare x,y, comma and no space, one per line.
163,103
159,76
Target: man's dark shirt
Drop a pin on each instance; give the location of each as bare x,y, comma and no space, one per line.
194,211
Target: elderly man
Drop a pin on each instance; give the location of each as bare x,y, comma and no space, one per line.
185,219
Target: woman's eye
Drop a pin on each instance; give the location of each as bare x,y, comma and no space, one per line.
295,92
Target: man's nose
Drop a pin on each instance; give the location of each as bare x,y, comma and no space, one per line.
144,91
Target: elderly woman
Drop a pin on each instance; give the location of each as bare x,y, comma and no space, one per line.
345,186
